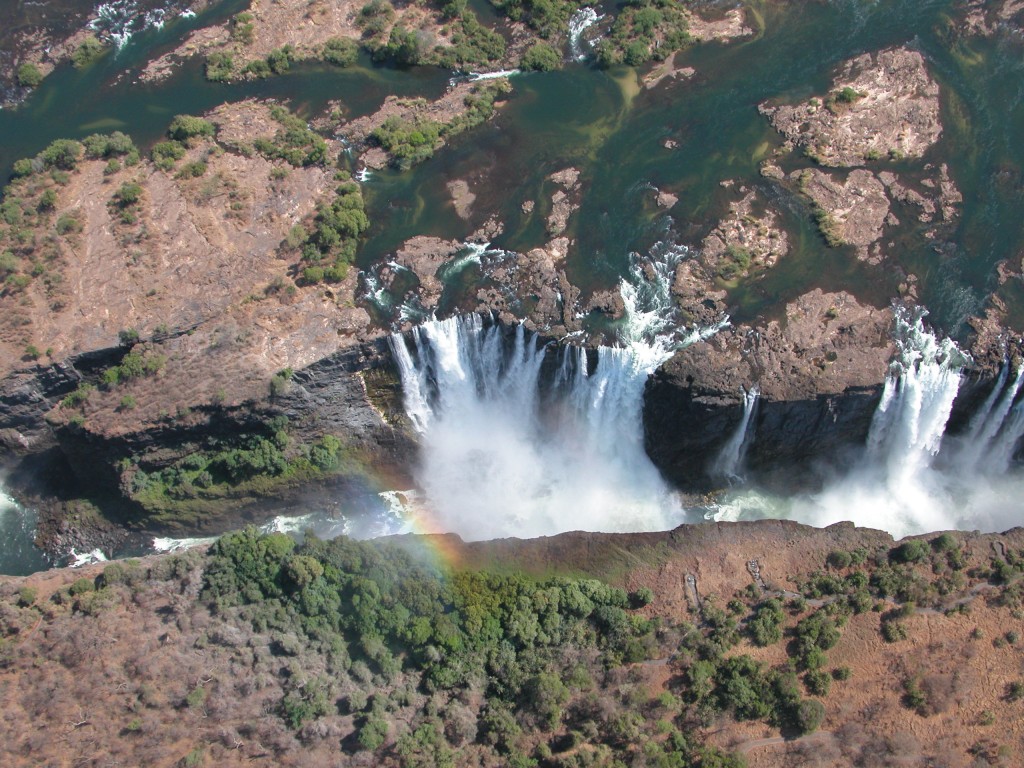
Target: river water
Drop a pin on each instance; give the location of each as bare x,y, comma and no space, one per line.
614,131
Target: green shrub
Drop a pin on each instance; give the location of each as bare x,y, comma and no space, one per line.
128,194
219,67
8,263
541,57
280,59
99,146
818,682
185,127
375,16
839,559
472,44
62,154
192,170
242,30
294,143
28,75
848,95
166,153
90,50
259,69
340,51
372,733
810,715
81,586
910,552
894,631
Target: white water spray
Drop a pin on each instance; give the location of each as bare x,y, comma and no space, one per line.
912,478
580,21
729,463
507,454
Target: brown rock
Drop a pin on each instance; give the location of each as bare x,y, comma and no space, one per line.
462,198
895,111
853,211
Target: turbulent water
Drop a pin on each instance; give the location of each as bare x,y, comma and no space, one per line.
17,532
913,478
509,452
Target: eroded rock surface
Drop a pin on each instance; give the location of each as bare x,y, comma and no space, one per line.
819,373
883,104
564,201
850,211
747,240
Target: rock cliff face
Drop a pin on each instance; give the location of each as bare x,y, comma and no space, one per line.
819,373
352,395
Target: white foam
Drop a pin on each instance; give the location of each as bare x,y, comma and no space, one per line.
507,455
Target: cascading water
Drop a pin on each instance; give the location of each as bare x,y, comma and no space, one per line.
507,454
912,478
729,462
994,431
580,21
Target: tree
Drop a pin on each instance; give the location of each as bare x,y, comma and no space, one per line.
90,50
810,715
910,552
541,57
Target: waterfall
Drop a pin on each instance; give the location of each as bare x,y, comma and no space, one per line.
913,477
917,398
992,436
507,452
581,20
729,462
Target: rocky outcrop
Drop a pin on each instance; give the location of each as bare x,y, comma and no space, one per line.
851,211
749,239
533,287
819,372
990,18
881,105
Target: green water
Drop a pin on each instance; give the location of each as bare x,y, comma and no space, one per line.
600,123
614,132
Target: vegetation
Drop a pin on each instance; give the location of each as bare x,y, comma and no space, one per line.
340,51
472,44
330,245
136,364
219,67
295,142
100,146
251,462
541,57
28,75
89,51
387,623
185,127
548,17
242,30
734,262
644,30
411,141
